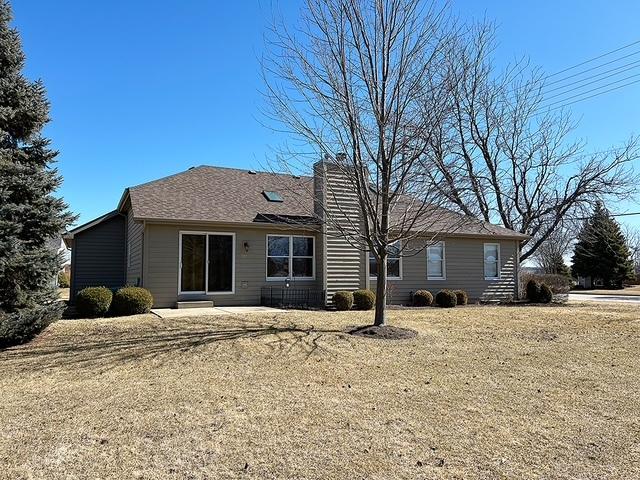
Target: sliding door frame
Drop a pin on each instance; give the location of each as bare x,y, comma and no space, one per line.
206,260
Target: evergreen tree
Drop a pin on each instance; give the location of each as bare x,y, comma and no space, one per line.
601,251
29,212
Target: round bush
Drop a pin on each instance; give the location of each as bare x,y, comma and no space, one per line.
533,290
93,301
446,299
343,300
546,294
461,297
131,301
422,298
364,299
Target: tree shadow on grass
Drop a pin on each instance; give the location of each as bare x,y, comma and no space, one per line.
121,345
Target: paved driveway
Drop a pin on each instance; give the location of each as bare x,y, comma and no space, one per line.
583,297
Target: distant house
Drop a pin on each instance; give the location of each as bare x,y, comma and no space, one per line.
240,237
58,245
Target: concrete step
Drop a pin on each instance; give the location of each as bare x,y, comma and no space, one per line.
195,304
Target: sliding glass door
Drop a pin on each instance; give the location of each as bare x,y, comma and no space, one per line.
193,261
207,262
220,263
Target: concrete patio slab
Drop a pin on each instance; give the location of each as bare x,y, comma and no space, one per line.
201,312
251,309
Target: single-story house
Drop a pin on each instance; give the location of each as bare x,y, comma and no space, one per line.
241,237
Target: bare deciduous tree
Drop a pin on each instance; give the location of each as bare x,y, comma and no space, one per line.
503,157
549,256
632,234
363,78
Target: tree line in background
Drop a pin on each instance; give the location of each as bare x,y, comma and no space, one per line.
602,251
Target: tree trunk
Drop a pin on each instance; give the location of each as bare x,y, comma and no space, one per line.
381,293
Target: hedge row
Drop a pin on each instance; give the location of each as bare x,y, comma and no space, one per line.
94,302
444,298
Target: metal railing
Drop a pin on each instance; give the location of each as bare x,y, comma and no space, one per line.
282,297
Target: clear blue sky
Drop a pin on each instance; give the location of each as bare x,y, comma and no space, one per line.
144,89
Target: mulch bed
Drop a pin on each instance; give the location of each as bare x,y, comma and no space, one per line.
385,332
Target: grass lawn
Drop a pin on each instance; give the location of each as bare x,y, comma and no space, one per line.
482,392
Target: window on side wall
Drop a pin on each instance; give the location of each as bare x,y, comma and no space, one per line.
491,261
394,263
436,262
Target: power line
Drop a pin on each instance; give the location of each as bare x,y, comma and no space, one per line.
624,214
587,98
631,66
594,59
591,69
585,92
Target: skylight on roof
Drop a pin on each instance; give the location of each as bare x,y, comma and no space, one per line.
272,196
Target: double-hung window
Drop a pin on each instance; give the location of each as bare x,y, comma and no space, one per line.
491,261
436,262
394,263
207,262
290,256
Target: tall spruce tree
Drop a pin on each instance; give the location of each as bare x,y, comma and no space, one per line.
602,251
30,214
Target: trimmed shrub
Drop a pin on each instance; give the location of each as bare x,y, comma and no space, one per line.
343,300
446,299
546,294
131,301
23,324
93,301
533,290
63,280
558,283
461,297
422,298
364,299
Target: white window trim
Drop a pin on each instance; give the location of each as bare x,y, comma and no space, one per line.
206,270
444,261
291,257
484,263
373,277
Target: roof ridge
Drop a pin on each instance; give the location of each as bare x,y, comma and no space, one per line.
215,167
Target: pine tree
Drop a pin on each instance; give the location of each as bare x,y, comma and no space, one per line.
602,251
30,214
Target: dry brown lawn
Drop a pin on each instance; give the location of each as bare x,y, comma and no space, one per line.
482,392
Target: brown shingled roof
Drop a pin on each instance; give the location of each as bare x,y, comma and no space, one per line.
230,195
217,194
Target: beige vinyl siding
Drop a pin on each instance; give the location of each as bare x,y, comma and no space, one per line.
161,263
464,269
345,266
134,250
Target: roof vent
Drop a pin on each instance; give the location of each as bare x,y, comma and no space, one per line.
272,196
252,172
